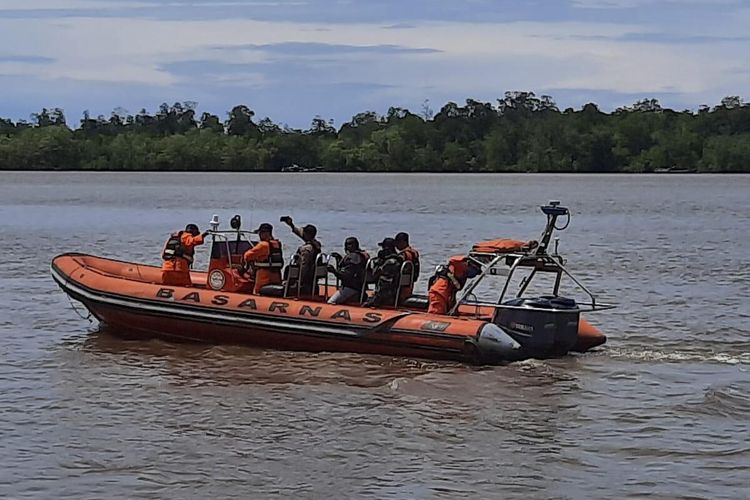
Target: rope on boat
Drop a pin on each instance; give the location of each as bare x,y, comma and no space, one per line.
73,306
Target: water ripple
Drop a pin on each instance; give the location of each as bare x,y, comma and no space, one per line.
662,410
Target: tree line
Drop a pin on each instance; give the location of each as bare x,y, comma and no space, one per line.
520,132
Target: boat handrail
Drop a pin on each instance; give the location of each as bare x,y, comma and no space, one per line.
368,278
321,272
292,275
589,306
523,256
226,233
541,262
229,235
475,283
332,261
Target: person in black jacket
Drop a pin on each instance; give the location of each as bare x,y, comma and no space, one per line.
387,275
351,272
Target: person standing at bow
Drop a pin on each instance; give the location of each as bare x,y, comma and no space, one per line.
265,258
178,255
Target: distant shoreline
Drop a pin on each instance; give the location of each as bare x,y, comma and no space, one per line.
323,173
520,133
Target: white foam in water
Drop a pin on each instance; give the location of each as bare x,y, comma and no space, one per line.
677,356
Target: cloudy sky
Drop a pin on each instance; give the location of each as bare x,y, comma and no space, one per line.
294,59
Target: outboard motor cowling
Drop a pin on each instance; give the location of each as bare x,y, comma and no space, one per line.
545,326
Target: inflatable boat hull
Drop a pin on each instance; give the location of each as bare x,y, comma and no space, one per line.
130,299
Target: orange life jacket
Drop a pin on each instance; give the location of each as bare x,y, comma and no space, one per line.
501,245
275,258
412,256
445,284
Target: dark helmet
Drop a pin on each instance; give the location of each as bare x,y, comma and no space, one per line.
388,243
402,237
351,244
309,232
264,228
192,229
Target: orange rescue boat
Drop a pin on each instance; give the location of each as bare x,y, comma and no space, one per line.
217,307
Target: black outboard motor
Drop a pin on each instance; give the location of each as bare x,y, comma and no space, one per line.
545,326
548,325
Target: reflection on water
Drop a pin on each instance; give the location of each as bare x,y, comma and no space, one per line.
238,365
85,413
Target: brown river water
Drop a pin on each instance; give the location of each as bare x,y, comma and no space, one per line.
662,410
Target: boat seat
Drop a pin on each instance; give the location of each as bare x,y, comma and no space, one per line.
321,273
272,291
291,278
419,302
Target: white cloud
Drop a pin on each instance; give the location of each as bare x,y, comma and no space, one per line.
630,4
68,4
474,60
79,5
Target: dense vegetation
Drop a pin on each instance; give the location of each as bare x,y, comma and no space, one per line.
521,132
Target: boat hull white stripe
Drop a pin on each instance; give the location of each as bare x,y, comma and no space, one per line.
212,315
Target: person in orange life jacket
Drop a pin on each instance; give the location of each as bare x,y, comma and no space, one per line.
351,272
448,280
178,255
265,258
409,255
308,253
387,274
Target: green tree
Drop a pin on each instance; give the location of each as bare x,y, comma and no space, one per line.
211,122
240,122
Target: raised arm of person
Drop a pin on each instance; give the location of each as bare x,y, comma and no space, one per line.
191,241
289,222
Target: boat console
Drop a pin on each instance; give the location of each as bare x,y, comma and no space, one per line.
227,249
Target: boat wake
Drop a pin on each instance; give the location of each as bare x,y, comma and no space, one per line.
649,355
731,401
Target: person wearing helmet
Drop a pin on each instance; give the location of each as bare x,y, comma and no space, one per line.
178,255
387,274
351,272
307,252
448,280
265,258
